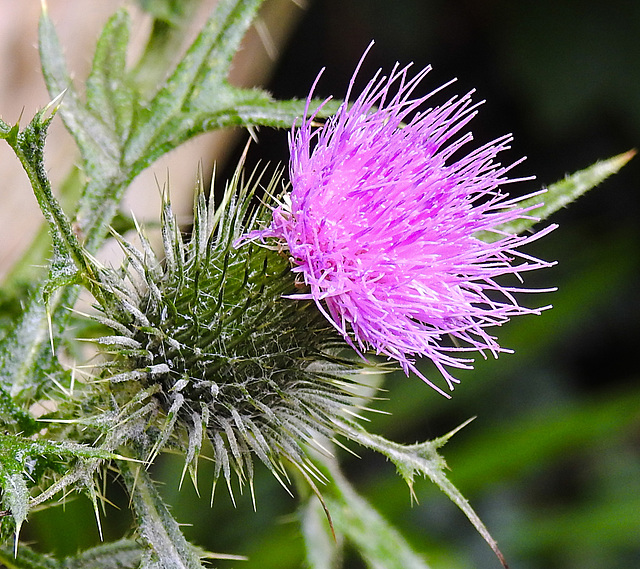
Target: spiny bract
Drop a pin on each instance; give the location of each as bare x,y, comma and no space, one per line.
210,336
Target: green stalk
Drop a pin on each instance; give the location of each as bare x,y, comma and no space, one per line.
158,528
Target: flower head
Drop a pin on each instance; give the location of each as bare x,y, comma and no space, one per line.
383,224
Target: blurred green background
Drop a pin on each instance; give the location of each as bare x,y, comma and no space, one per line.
552,461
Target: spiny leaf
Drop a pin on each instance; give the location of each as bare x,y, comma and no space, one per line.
28,146
159,530
561,194
97,142
17,452
15,496
252,108
210,54
19,350
26,360
423,458
27,559
21,458
11,414
565,191
121,554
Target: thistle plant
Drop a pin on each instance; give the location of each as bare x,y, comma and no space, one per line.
253,337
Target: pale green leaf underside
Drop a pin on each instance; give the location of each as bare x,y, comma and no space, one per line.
356,521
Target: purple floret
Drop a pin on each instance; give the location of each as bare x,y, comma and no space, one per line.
383,222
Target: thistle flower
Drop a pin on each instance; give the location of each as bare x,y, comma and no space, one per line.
383,222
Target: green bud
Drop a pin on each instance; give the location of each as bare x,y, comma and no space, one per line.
209,334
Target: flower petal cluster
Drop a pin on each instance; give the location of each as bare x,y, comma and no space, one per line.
383,224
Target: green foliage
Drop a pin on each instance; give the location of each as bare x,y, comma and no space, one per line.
11,415
424,458
170,12
168,549
23,460
121,554
562,193
356,522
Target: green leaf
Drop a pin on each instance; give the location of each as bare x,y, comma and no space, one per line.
379,543
15,495
98,144
23,459
110,94
207,61
169,11
121,554
353,520
561,194
423,458
28,146
27,558
252,107
25,358
11,414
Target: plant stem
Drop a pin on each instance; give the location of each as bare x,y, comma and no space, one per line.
158,528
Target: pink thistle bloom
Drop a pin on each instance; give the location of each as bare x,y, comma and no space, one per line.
382,223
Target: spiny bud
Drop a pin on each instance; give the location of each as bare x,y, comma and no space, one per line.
210,334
